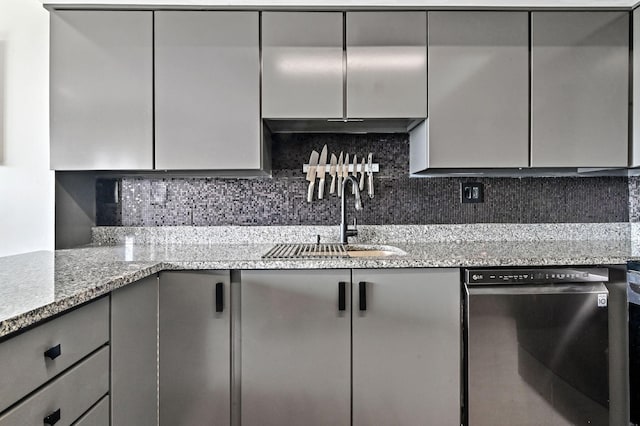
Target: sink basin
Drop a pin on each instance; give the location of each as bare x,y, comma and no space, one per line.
330,250
365,250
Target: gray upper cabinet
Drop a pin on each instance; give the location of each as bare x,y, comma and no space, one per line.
101,90
406,347
478,89
579,93
302,65
635,147
386,64
207,90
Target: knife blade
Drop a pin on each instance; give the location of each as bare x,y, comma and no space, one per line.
340,175
354,173
362,175
332,172
345,170
322,169
311,174
370,174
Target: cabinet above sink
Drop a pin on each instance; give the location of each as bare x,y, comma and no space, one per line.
344,72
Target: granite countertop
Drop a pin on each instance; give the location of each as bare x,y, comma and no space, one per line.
38,285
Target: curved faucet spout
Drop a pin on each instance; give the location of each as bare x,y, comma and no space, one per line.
345,231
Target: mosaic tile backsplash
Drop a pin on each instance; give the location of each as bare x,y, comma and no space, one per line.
634,199
281,200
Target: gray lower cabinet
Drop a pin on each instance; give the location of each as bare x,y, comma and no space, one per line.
386,64
295,344
579,89
390,358
406,347
207,90
98,415
478,91
33,358
101,90
194,348
134,325
66,398
302,56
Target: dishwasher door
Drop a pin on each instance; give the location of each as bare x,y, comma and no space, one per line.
537,355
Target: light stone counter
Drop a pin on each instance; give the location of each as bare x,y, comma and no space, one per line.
38,285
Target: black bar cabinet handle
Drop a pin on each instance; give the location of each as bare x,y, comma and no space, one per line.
219,297
52,418
342,296
362,290
54,352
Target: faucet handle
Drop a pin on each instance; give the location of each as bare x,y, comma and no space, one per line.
352,231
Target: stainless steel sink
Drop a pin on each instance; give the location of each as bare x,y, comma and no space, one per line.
362,250
328,251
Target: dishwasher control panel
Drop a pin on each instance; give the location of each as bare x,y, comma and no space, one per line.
535,275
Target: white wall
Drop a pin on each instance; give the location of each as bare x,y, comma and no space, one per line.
26,184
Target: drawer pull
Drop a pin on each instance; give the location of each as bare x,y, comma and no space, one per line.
52,418
54,352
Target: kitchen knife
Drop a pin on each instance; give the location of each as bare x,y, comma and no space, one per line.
322,169
362,175
355,172
370,173
332,172
345,169
311,174
339,171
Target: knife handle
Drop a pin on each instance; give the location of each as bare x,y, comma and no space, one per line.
321,189
371,185
332,189
339,186
310,191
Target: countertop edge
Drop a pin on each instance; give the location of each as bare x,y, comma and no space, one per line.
22,321
49,311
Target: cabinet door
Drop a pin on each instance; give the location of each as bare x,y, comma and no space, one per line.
295,348
194,349
478,89
579,92
302,65
406,347
207,81
635,146
134,354
386,64
101,90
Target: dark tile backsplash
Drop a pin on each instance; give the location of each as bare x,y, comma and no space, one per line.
281,200
634,199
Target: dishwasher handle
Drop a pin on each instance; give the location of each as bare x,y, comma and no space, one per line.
541,289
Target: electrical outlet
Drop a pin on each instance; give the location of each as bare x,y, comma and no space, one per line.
471,192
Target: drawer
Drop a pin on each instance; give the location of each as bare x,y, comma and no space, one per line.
23,364
69,395
98,415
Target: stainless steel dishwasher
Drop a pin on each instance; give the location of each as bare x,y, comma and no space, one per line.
633,298
536,347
